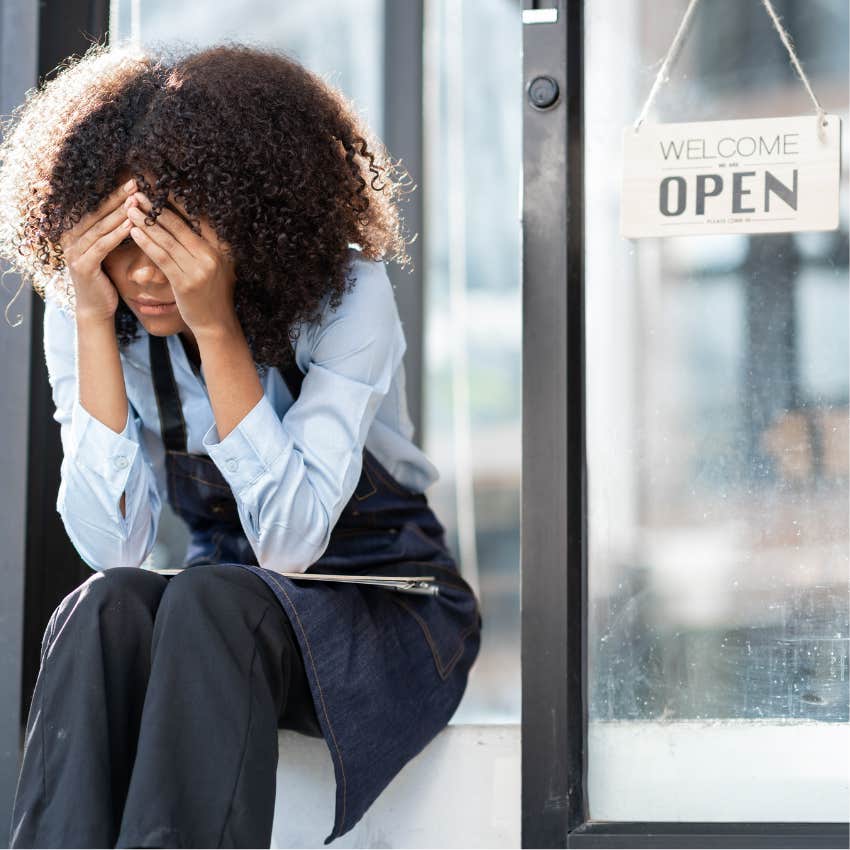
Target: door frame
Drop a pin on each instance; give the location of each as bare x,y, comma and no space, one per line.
554,475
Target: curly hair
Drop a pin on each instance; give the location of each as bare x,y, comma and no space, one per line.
273,155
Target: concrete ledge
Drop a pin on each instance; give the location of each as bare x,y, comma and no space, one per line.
462,790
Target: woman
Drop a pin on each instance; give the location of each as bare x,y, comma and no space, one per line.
209,232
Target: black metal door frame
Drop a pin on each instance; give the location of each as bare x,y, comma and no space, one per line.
554,504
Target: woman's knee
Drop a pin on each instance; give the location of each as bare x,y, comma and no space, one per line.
117,606
215,592
122,591
213,583
123,584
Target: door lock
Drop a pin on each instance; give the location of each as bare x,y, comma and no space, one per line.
543,92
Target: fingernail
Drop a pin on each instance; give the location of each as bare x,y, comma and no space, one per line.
129,185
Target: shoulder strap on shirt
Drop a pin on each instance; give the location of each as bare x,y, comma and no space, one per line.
172,423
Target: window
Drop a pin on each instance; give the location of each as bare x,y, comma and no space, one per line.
718,531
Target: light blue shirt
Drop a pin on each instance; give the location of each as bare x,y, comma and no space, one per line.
292,467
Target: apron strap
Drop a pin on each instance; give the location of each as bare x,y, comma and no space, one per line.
292,374
171,421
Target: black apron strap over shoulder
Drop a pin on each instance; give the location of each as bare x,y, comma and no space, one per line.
292,374
172,423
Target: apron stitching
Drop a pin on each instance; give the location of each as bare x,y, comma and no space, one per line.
393,486
277,581
365,470
443,669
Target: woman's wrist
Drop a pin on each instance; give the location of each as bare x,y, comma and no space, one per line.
225,331
100,375
95,322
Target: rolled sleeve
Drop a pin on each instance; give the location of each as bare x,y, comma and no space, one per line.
107,453
251,448
98,465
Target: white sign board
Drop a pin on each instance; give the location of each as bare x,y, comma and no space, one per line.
758,175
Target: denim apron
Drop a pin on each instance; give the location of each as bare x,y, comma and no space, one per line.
386,669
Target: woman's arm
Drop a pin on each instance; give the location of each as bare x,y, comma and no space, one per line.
107,496
293,477
101,379
230,375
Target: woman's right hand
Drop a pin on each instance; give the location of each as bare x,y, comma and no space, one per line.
84,247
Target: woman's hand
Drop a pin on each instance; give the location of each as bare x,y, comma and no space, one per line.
198,267
85,245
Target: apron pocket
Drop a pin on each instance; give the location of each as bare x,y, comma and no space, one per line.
445,623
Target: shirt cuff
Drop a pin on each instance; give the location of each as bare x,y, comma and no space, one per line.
103,451
251,448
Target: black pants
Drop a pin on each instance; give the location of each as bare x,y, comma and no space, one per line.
155,713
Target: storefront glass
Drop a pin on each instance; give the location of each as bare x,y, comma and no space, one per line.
717,439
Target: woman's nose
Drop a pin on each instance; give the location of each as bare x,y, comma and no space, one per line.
144,272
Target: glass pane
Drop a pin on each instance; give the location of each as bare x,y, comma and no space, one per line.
718,368
473,380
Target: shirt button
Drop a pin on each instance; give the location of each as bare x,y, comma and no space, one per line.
120,461
232,464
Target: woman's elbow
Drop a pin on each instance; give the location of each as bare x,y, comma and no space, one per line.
282,551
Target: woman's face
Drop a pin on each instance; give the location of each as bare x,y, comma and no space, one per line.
138,279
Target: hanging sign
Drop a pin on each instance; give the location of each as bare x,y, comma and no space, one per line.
763,175
755,175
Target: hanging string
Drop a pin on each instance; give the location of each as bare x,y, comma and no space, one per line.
786,40
662,76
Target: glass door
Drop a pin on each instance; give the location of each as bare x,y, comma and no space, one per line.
685,453
718,368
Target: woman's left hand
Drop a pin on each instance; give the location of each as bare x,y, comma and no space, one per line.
198,267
